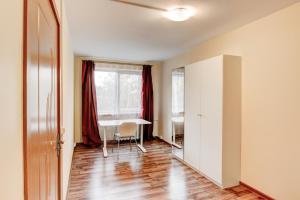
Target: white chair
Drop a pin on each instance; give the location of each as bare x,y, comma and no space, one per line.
126,131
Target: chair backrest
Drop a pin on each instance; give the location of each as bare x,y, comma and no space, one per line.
127,129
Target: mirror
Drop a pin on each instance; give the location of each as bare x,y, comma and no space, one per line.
177,119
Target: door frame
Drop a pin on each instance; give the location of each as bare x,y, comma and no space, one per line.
25,29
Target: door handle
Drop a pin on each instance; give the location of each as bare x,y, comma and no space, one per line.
59,143
199,115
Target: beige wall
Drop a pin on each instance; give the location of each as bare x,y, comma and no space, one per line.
67,103
77,100
156,72
270,51
11,148
156,67
58,7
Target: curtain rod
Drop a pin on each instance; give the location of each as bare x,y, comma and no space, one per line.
119,63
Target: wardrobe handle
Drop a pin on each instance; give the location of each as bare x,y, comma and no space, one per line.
199,115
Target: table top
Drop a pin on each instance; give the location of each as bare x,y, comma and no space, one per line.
120,121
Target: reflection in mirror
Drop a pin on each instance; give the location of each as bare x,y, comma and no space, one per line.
178,112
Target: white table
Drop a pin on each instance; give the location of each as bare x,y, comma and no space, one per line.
176,120
112,123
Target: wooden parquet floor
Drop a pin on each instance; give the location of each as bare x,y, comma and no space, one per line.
132,175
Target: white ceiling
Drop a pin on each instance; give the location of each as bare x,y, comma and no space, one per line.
111,30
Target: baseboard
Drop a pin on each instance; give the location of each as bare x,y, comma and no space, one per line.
78,143
185,163
177,145
199,172
256,191
69,178
163,140
107,142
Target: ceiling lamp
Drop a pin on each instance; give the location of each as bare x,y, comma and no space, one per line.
179,14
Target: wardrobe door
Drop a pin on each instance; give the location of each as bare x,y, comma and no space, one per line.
210,76
192,121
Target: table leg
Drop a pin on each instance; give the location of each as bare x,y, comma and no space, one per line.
141,138
104,143
173,132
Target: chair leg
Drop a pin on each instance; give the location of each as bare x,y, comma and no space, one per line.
130,144
136,144
118,145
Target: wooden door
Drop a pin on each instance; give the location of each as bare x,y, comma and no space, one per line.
41,101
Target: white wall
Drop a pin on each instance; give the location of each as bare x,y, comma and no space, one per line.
156,71
270,51
67,102
11,148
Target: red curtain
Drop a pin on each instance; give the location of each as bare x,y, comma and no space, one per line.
90,130
147,101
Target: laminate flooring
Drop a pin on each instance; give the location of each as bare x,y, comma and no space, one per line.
133,175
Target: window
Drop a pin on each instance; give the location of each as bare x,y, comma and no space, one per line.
106,90
130,92
118,91
177,92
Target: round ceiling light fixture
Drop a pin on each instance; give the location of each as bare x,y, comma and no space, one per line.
179,14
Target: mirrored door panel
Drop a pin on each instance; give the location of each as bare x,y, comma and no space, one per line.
177,119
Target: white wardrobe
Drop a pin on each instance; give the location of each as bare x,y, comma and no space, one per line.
213,118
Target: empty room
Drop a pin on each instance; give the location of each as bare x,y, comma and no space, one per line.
150,99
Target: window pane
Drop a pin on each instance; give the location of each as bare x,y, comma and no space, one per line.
177,92
130,92
106,90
